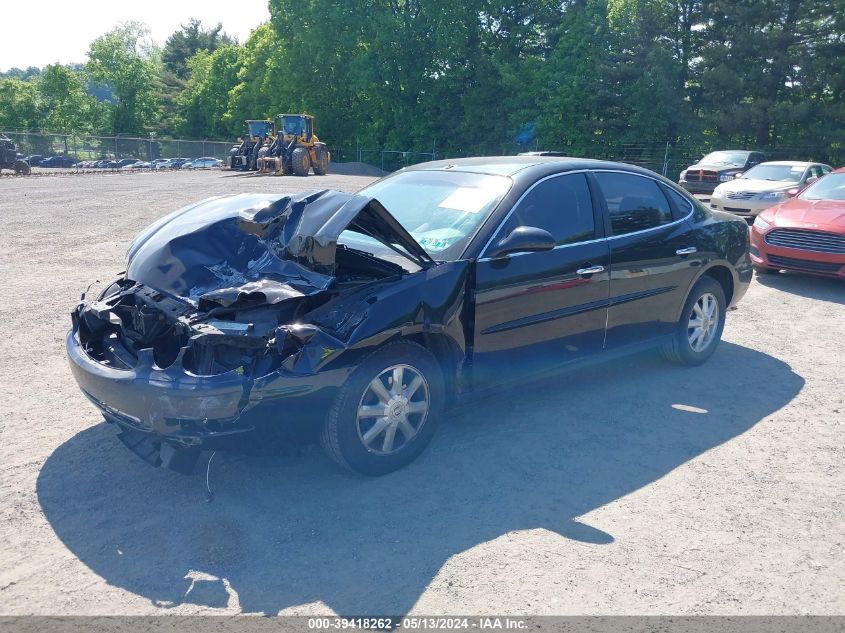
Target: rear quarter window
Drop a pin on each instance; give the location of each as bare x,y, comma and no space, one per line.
682,205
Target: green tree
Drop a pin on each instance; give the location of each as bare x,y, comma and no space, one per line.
20,105
258,80
187,42
167,93
651,53
20,73
409,73
580,101
65,104
325,75
122,58
772,72
206,96
585,76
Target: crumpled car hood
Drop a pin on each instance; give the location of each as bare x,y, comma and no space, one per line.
224,248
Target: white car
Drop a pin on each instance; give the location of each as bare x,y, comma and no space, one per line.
765,185
203,163
136,165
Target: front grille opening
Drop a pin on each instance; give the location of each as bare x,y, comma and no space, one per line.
804,264
165,350
807,240
203,359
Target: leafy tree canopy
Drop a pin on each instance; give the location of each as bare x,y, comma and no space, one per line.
124,58
473,77
187,42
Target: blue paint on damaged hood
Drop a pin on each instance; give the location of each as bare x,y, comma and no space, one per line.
287,242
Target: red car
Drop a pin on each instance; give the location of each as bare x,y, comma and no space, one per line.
805,233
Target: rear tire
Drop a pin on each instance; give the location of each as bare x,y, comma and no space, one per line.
21,167
699,329
358,438
300,161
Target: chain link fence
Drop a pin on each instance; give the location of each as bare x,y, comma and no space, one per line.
82,147
669,158
385,159
664,157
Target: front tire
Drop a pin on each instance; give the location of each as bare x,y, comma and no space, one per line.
700,327
300,161
321,165
387,411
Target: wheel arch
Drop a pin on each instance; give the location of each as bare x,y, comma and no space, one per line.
723,273
448,355
445,349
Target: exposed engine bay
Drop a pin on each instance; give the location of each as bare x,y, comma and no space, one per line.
248,311
231,293
249,328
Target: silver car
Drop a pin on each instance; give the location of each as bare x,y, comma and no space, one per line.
203,163
765,185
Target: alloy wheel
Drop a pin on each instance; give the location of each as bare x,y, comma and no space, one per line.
393,409
703,322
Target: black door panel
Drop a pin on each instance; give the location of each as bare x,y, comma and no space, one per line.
652,257
649,281
534,310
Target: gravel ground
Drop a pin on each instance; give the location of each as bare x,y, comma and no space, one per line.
630,488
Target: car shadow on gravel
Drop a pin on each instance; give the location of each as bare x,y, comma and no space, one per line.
287,531
805,285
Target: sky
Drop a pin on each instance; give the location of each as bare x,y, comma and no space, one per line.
50,31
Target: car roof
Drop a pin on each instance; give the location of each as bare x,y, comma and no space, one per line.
841,170
510,165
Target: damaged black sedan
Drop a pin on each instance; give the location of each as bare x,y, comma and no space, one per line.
361,317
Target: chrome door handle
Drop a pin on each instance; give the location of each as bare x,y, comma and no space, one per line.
686,251
592,270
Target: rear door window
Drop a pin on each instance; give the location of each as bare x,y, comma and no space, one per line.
634,203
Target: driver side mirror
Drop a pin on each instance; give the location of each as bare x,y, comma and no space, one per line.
523,239
810,180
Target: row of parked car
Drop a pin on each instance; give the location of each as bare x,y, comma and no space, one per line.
206,162
37,160
797,208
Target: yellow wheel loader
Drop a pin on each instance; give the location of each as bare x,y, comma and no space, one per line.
296,148
257,134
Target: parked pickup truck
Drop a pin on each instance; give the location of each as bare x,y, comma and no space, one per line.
716,168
